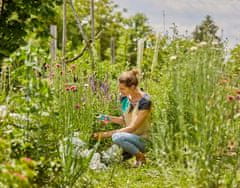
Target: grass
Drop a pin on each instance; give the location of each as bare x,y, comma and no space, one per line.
122,175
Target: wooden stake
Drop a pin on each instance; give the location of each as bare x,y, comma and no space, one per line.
92,33
140,53
53,49
156,50
64,31
113,59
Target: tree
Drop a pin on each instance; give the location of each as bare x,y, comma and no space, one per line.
18,18
108,22
206,31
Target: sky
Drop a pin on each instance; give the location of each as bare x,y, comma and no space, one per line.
186,14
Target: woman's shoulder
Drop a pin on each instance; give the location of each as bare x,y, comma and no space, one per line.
145,102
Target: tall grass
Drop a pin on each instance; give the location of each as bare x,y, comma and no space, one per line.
80,95
192,118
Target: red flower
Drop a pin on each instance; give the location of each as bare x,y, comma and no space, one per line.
73,88
67,88
230,98
70,88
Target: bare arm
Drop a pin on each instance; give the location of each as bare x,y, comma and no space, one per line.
134,125
118,120
136,122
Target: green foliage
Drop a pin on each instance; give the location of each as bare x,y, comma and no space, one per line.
30,103
108,23
15,172
19,17
235,61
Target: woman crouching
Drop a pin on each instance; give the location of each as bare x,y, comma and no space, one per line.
135,119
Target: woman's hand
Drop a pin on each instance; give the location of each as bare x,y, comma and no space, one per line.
101,135
105,119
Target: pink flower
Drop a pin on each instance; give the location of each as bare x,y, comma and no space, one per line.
224,81
47,66
238,91
51,75
20,176
77,106
230,98
58,65
238,97
28,161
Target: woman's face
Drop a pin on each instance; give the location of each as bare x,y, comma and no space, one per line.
124,90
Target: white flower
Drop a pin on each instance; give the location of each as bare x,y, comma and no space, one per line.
3,111
215,43
45,114
86,85
194,48
173,57
203,43
20,117
236,116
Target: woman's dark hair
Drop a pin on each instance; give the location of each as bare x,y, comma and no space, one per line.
129,78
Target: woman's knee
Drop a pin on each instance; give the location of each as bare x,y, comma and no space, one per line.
117,137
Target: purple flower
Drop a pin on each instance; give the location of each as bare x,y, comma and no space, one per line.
104,87
93,83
